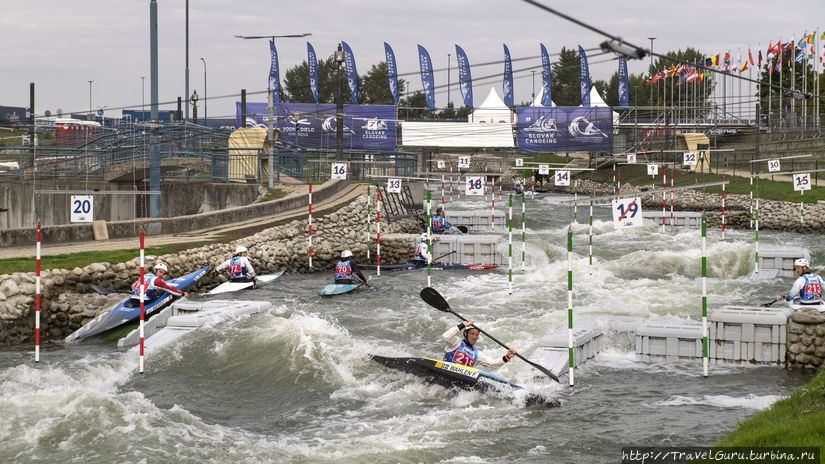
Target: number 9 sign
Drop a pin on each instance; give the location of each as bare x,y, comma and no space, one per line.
394,185
474,186
339,171
82,208
802,181
652,169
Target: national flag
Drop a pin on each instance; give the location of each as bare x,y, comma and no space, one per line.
750,57
759,59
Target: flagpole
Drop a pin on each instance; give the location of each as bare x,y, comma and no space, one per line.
779,60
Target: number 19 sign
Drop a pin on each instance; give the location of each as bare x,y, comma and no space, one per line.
474,186
627,212
82,207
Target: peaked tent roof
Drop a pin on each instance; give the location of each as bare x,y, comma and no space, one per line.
539,96
595,98
492,110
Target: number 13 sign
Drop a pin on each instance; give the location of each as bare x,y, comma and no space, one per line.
394,185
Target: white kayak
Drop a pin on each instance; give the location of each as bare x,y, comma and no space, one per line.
227,287
796,305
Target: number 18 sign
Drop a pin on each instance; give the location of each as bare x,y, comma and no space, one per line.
474,186
627,212
82,207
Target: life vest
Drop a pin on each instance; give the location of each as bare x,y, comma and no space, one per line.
464,354
343,270
811,291
437,224
148,287
237,268
420,251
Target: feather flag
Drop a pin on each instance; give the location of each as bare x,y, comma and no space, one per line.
624,95
312,65
465,80
426,65
352,74
585,77
546,79
274,84
392,72
507,84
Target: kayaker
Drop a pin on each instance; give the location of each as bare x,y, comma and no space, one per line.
460,349
154,285
345,268
240,269
422,254
440,225
807,287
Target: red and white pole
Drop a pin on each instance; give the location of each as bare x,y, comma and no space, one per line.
378,233
142,307
664,195
37,297
442,190
493,204
309,228
723,206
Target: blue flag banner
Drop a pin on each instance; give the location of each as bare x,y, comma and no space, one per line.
624,94
392,72
352,74
274,85
426,65
560,129
312,64
465,81
585,77
366,127
546,79
507,85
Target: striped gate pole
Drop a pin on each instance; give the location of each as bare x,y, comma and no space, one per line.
37,296
141,342
309,227
429,234
369,222
705,353
570,347
523,230
493,205
664,195
723,206
590,241
378,232
756,231
510,243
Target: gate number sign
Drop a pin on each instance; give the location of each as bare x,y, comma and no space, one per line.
82,208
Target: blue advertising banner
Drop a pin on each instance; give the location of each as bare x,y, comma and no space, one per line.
274,81
427,82
352,74
565,129
546,79
507,85
307,125
392,72
585,77
624,95
312,64
465,81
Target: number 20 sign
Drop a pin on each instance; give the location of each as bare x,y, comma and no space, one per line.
82,207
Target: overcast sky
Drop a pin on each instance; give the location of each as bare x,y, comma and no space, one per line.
62,44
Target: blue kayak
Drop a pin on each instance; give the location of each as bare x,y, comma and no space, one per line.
338,289
127,311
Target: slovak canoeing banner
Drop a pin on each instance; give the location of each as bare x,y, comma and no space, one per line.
565,129
366,127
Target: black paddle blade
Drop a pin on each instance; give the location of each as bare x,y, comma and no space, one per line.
771,302
463,229
434,299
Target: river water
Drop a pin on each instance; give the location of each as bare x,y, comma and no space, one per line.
296,385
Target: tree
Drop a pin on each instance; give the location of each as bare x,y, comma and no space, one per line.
566,79
372,87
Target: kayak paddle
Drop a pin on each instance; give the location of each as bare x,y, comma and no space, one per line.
463,229
772,301
434,299
445,254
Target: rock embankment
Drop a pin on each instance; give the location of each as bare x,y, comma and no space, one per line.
68,300
806,339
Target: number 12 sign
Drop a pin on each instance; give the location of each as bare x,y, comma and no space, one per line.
82,207
627,212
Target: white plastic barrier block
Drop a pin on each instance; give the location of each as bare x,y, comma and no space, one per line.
752,334
781,260
470,249
482,220
671,339
553,352
688,219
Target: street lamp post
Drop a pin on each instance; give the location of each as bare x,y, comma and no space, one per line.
205,96
90,101
270,109
448,78
534,83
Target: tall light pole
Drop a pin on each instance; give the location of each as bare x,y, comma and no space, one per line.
269,107
90,101
534,83
142,98
448,79
205,95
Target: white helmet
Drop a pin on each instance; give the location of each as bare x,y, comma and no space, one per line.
161,267
424,236
240,249
346,254
801,262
